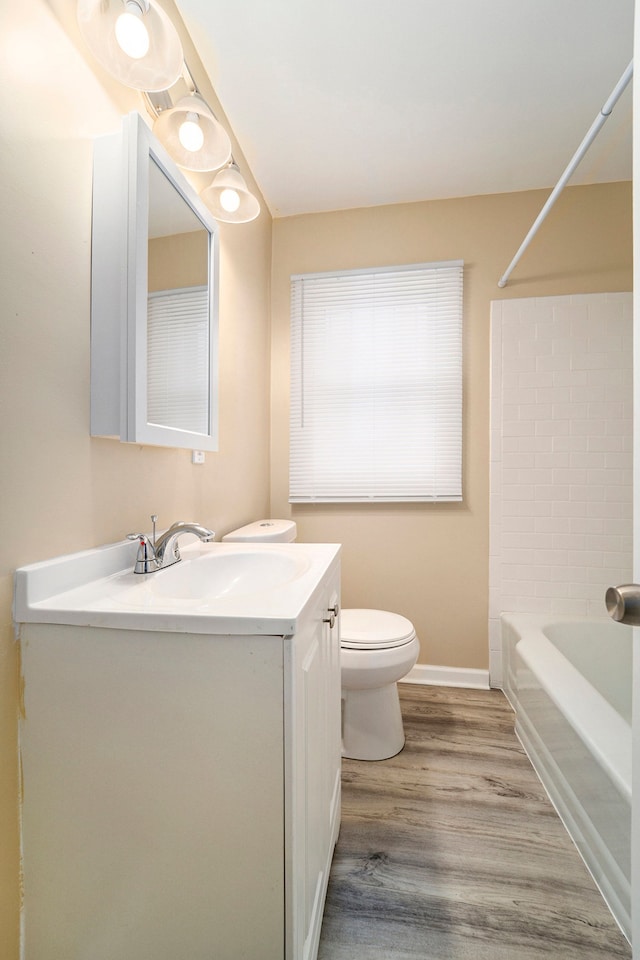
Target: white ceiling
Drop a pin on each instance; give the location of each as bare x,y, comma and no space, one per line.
351,103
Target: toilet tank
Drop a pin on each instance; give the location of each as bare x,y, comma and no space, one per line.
264,531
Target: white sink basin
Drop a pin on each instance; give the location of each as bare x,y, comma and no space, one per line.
217,575
216,588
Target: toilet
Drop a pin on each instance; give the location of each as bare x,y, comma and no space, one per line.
377,649
264,531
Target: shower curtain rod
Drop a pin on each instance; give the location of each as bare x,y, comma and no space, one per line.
593,132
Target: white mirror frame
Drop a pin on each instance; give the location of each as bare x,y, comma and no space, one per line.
119,262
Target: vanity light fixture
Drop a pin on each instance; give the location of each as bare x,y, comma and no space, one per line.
228,197
134,40
192,136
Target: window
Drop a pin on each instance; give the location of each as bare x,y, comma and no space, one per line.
178,371
376,385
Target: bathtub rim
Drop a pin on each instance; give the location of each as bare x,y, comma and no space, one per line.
560,680
600,860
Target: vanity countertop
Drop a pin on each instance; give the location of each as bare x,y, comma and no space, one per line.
217,588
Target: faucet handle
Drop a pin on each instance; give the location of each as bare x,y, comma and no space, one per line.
142,537
146,561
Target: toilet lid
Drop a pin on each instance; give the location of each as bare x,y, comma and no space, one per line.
374,629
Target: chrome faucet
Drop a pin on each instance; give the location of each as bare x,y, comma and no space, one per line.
156,554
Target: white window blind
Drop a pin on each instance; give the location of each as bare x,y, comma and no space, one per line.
178,373
376,385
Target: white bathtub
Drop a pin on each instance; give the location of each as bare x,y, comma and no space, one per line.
569,682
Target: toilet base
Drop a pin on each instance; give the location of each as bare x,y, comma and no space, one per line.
372,723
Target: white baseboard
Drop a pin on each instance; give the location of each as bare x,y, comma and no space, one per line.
448,676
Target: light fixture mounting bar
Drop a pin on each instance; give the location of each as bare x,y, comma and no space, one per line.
163,100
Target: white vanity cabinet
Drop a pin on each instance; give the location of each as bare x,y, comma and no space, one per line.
181,789
312,770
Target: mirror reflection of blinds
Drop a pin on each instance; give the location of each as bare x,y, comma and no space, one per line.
376,385
178,372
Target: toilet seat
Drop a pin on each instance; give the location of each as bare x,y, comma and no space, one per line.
374,630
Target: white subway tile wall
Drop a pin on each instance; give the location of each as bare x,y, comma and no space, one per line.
561,456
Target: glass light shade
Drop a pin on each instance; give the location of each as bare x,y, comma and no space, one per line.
172,130
228,198
101,24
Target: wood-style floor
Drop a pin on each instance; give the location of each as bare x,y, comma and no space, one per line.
452,849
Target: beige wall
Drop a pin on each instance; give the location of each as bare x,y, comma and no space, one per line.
181,260
430,561
60,490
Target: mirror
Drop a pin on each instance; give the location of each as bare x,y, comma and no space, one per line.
154,298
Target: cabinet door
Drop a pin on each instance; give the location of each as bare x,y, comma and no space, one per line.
315,798
152,813
333,745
